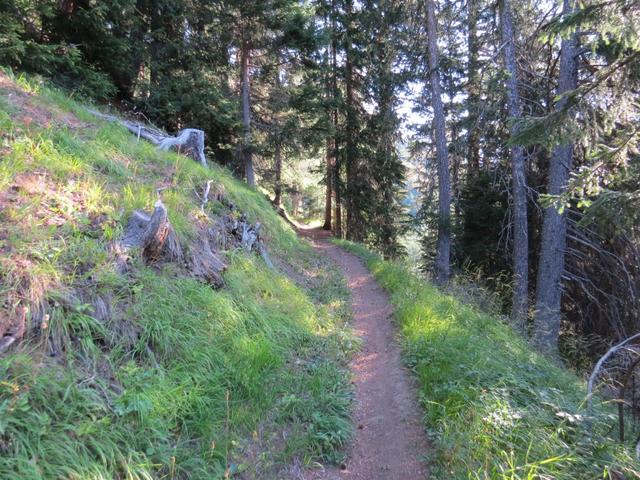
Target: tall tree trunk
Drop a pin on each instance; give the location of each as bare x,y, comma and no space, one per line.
139,57
247,157
473,88
328,153
155,50
387,164
337,216
520,306
456,161
353,222
277,154
442,151
296,197
551,266
329,186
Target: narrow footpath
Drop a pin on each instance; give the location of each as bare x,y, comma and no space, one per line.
389,441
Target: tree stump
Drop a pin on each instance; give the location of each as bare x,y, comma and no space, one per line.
153,234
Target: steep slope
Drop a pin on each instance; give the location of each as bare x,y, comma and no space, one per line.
148,371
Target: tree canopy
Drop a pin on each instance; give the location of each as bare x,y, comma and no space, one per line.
514,124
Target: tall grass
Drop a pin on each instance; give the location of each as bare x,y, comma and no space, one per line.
181,381
496,408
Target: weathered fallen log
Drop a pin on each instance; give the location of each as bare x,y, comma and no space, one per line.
189,141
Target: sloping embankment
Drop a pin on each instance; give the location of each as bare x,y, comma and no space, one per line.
139,367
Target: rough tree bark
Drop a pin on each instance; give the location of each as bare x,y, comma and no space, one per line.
329,187
440,137
247,157
328,199
519,307
353,228
277,154
554,228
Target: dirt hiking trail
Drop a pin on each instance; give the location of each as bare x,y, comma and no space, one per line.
389,441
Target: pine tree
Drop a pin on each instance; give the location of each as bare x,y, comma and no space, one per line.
440,139
384,171
553,241
519,308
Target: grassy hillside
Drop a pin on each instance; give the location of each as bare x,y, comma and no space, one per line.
496,408
173,379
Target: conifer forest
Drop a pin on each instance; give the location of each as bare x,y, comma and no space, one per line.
319,239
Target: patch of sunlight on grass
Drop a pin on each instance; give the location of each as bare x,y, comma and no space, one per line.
178,377
497,408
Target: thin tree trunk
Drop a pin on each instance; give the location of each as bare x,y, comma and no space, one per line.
155,49
442,152
329,187
456,160
296,200
277,199
329,153
337,217
353,222
277,154
554,228
473,88
520,306
247,158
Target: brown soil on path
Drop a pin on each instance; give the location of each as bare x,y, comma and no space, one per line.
389,441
